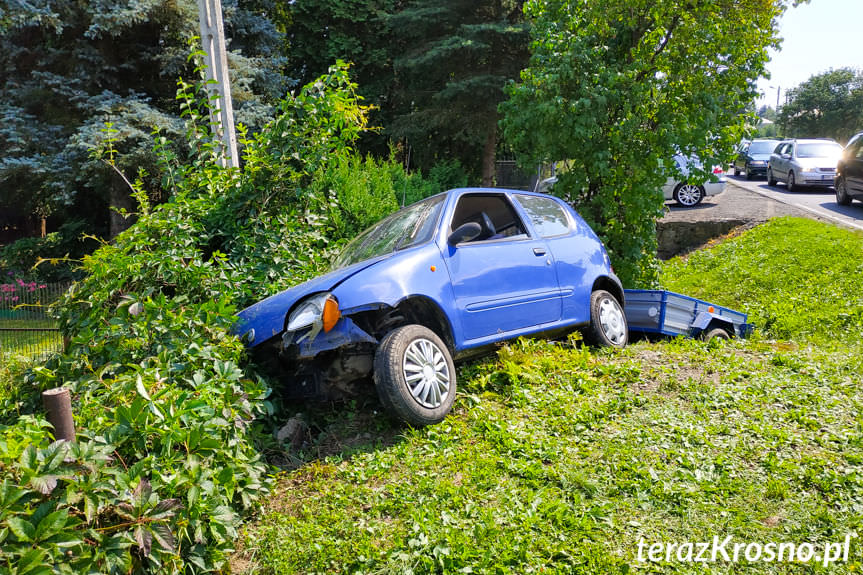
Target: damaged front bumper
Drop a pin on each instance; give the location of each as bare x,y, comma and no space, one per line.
305,344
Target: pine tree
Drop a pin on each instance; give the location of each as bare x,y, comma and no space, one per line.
453,61
67,68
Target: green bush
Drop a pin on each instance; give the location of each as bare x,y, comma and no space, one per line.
171,419
52,254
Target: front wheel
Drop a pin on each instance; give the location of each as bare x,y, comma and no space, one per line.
792,185
415,375
608,326
771,179
688,195
842,197
748,173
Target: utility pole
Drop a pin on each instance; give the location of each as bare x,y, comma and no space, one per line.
218,82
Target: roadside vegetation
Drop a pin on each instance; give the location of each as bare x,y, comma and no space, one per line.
559,459
172,420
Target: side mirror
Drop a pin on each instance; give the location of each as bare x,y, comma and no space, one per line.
464,233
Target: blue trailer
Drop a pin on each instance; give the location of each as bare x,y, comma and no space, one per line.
668,313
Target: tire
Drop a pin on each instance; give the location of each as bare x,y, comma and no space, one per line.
716,333
736,171
608,326
748,174
842,197
771,181
412,359
792,186
688,195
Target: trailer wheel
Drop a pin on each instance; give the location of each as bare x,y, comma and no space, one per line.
716,333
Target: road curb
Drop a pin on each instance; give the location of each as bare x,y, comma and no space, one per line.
819,213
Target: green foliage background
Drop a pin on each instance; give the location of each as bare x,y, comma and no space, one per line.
615,88
827,105
171,418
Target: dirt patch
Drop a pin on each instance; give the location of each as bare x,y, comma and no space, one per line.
737,209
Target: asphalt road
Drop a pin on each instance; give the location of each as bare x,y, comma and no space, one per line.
818,201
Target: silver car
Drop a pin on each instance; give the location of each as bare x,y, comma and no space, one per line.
801,163
687,193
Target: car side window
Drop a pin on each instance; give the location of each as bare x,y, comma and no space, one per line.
548,217
779,149
790,150
494,214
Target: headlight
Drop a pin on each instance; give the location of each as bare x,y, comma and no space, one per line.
320,311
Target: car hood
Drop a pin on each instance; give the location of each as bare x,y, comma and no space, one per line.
822,162
266,319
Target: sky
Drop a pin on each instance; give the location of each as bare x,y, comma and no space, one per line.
817,36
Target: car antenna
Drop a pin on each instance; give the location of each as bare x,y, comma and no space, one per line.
407,167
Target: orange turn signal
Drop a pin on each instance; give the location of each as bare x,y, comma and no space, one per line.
331,314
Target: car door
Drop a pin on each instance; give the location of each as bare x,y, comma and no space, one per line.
572,256
504,280
854,169
778,160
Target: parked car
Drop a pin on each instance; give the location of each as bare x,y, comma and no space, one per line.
752,158
437,281
849,172
688,193
801,163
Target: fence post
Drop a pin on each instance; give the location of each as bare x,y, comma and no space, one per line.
58,405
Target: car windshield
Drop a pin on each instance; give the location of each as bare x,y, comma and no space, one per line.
407,227
761,147
825,150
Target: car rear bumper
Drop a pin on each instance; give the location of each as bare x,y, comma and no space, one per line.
714,188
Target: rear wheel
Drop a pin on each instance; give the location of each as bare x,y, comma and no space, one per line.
415,376
842,197
716,333
688,195
608,326
771,180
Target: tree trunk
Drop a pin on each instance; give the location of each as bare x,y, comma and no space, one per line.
488,156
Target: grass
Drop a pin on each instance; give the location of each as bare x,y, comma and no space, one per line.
560,460
27,343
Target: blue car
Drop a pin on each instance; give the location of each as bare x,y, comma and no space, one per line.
441,279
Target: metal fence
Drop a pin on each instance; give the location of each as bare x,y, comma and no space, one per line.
26,325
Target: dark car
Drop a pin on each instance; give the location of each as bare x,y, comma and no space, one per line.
849,172
437,281
752,158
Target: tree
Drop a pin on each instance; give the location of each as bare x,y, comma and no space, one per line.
67,68
615,88
320,32
829,104
455,59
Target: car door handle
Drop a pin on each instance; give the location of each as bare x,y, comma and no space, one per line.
539,251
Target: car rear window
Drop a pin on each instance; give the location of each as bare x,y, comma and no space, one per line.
548,217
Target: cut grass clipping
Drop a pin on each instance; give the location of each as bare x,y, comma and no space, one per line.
558,459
